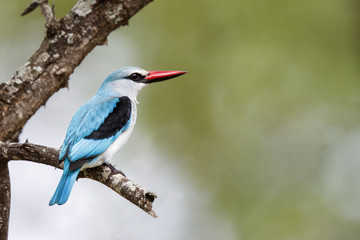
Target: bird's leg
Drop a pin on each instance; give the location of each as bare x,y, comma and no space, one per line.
113,170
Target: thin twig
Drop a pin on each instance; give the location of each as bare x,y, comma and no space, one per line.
46,9
30,8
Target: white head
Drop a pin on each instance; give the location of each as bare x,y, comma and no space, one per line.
128,81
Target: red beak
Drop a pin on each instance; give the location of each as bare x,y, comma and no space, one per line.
158,76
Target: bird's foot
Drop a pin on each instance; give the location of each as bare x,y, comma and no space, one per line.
113,171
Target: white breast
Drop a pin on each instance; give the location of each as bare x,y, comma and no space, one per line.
117,144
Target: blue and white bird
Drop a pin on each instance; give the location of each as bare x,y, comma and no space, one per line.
102,125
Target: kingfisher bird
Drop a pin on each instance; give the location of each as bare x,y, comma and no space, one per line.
102,125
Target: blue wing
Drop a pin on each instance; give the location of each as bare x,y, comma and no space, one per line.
94,127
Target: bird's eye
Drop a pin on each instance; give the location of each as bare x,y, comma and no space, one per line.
135,76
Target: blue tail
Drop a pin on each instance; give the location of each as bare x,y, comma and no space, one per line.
65,185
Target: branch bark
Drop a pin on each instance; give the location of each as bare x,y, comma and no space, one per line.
4,199
103,174
65,45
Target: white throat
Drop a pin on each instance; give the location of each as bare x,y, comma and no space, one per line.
125,87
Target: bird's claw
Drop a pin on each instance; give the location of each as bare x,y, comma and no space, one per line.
113,171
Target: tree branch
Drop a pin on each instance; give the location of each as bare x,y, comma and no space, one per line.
4,199
66,44
103,174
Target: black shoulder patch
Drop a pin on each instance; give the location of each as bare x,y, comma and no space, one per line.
115,121
78,163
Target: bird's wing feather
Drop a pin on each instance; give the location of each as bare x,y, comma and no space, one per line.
73,126
87,148
101,124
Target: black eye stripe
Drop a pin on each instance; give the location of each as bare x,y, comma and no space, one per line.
136,77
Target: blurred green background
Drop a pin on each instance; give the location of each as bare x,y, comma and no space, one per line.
267,121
